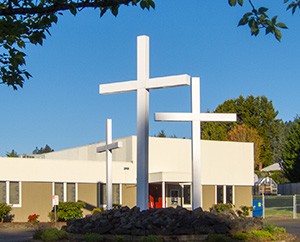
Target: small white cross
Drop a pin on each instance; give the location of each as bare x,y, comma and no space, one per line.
142,85
108,147
196,117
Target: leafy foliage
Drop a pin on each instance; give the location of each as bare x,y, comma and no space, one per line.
257,113
68,210
42,150
4,211
50,234
13,153
291,152
29,21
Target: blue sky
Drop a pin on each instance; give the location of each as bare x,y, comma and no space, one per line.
61,106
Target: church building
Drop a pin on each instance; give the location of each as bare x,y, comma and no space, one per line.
79,174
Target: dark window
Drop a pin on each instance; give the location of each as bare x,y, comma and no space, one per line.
220,194
229,194
187,194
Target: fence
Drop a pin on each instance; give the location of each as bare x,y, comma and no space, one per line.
280,206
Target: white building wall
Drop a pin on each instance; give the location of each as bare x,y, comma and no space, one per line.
223,163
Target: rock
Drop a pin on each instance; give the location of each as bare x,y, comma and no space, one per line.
166,221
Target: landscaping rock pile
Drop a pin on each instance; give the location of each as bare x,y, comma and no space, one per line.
163,221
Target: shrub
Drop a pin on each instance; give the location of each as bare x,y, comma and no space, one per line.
245,211
221,207
52,234
97,210
93,237
67,211
261,235
4,211
33,218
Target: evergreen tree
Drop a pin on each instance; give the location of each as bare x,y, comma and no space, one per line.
291,152
13,153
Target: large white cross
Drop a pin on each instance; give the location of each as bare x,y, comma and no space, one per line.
108,147
142,85
196,117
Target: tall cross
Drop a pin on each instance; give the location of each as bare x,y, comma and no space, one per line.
196,118
142,85
108,147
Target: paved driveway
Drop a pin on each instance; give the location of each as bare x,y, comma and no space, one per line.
15,236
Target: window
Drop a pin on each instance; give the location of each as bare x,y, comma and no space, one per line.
2,192
225,194
10,193
174,194
115,194
67,192
229,194
186,194
220,194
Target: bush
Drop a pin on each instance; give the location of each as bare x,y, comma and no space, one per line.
221,207
33,218
52,234
245,211
97,210
4,211
67,211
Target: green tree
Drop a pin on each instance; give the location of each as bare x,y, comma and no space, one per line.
29,21
291,152
42,150
13,153
255,112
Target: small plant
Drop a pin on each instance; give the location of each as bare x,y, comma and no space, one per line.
67,211
4,211
93,237
261,235
52,234
33,218
97,210
245,211
221,207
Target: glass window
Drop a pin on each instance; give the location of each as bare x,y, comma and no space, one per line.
71,192
59,190
2,192
187,194
115,191
229,194
116,194
174,196
14,193
220,194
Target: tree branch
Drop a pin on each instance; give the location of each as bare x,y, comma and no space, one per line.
56,7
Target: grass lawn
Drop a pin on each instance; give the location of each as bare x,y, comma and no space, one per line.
279,212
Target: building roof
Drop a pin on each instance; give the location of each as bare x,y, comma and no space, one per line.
273,167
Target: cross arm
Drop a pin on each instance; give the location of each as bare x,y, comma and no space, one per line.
169,81
206,117
111,146
118,87
179,117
